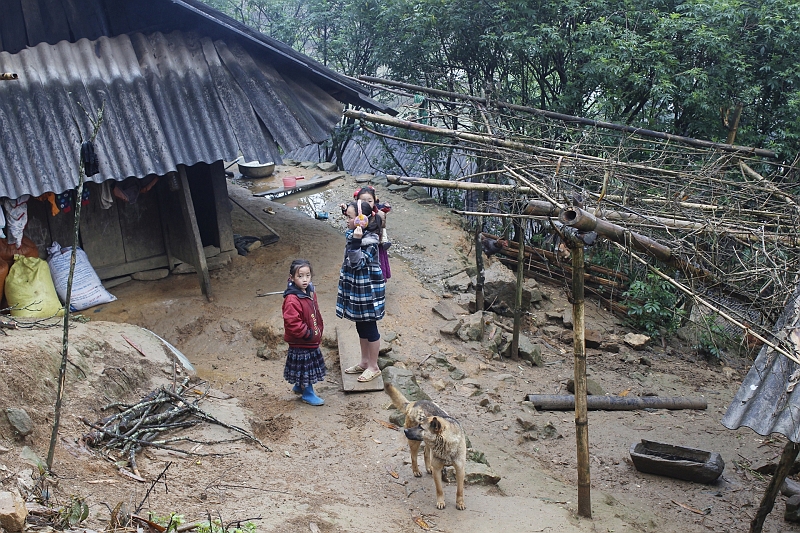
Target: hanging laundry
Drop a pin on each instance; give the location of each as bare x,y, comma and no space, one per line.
130,189
64,201
2,225
17,218
106,196
50,197
85,196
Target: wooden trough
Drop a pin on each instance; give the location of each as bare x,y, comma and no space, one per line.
676,461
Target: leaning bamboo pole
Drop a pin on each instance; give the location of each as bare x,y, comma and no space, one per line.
518,295
578,120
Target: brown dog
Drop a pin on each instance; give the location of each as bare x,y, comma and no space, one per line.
445,441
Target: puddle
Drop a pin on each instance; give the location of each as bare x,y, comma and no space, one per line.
314,202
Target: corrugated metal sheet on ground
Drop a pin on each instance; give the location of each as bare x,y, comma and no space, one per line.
169,100
763,402
366,153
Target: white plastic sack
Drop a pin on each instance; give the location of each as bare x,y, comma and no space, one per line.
87,290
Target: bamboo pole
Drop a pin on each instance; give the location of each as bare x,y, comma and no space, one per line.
579,348
579,120
489,140
788,457
479,266
566,402
518,296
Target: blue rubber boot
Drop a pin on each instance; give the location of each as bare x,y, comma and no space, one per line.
310,397
296,389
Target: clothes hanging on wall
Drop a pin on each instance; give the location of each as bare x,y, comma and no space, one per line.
16,218
106,196
50,197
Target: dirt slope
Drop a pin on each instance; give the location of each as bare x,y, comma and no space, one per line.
330,465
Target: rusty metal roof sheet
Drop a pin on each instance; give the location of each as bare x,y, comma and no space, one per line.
767,401
170,99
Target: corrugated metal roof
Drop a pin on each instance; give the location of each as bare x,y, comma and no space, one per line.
28,23
169,99
763,402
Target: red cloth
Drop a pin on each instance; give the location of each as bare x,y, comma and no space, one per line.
299,313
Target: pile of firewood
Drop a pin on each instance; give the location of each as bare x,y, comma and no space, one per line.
146,423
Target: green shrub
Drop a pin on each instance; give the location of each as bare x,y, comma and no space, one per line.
652,306
712,338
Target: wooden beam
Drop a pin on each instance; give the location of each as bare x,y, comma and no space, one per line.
198,259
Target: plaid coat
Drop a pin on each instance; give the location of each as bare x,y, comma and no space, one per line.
361,294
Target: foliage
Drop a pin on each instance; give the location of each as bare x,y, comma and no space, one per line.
652,306
72,514
171,522
215,526
712,337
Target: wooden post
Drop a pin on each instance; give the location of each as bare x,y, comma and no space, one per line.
196,244
788,457
581,416
479,267
520,281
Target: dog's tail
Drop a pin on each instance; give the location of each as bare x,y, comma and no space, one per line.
398,400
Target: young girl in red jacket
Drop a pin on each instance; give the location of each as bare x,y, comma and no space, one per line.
302,323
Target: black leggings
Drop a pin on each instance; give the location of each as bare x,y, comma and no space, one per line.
368,330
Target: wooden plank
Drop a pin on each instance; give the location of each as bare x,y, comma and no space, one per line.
38,227
349,355
141,227
311,184
115,271
101,234
222,207
198,259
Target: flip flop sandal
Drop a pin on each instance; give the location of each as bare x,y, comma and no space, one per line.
355,369
368,375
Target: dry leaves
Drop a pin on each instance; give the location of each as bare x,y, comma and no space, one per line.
387,424
422,523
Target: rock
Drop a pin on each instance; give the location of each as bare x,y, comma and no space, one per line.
593,338
211,251
439,384
404,380
554,315
480,474
472,328
327,166
528,351
789,487
442,361
457,375
459,282
526,423
308,164
611,347
427,201
389,336
416,192
269,354
592,387
528,407
566,317
20,421
636,341
396,187
363,178
385,347
12,511
398,418
792,513
500,287
229,325
111,283
255,245
384,362
290,162
449,310
504,377
645,361
553,331
450,328
151,275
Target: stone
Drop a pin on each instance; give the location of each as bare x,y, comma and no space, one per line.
389,336
210,251
636,341
504,377
593,338
290,162
449,310
20,421
611,347
553,331
416,192
116,282
398,418
442,361
500,287
480,474
792,513
396,187
229,325
457,374
255,245
268,354
592,387
566,317
327,166
789,487
308,164
12,511
439,384
151,275
385,347
460,282
384,362
528,351
526,423
363,178
450,328
472,328
405,381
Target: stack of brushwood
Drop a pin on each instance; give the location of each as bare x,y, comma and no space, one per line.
605,284
139,425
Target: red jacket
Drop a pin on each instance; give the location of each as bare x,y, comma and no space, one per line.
302,321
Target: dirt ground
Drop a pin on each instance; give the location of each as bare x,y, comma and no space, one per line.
331,465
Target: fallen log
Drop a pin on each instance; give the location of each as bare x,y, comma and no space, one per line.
566,402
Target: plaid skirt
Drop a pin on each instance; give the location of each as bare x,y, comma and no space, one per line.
304,366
